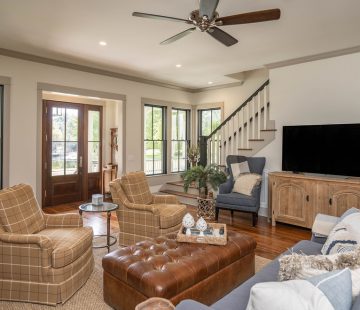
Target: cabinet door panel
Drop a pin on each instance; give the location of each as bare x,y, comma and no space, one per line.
291,201
343,198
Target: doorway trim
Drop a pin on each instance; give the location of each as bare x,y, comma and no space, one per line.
75,91
6,81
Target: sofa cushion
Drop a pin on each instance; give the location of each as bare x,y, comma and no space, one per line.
136,188
19,210
171,215
330,291
68,244
236,199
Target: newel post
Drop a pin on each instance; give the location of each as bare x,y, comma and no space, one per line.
203,150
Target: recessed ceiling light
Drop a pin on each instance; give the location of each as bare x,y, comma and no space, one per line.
178,65
102,43
210,82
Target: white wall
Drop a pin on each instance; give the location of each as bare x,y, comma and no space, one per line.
320,92
233,97
25,76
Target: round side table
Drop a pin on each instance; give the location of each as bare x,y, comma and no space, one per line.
105,207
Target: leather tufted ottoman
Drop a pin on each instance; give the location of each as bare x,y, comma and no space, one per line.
176,271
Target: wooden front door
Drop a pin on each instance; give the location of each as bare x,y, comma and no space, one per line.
71,152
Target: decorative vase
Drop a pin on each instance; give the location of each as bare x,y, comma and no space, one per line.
201,225
188,222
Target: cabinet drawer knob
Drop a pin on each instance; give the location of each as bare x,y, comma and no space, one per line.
307,198
330,201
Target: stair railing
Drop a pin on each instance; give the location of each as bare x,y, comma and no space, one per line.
238,129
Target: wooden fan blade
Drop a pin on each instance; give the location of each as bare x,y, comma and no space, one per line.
251,17
222,36
160,17
208,8
178,36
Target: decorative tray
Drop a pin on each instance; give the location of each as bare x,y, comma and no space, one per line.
210,235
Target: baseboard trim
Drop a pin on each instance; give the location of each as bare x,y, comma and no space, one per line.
263,211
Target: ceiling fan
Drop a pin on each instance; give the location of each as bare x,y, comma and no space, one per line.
206,19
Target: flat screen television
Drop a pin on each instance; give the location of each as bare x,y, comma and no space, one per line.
323,149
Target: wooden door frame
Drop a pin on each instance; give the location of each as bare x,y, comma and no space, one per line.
88,108
83,137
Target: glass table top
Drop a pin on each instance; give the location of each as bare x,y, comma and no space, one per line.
105,207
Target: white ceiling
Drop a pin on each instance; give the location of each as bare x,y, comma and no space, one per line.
71,29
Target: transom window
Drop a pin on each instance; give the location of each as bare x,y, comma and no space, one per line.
209,120
154,139
180,140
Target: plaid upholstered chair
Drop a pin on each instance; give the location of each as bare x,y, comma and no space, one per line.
43,258
142,215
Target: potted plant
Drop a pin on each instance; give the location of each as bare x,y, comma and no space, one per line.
203,176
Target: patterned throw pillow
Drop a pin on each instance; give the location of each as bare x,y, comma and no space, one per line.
326,292
299,266
136,188
245,183
345,236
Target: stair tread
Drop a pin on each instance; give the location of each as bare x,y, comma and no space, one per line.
257,140
244,149
268,129
180,184
187,195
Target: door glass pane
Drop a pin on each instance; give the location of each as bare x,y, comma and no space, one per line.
157,123
58,124
72,124
93,157
148,123
205,123
158,157
71,158
57,154
94,126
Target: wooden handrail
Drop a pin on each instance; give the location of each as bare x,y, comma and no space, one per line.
238,109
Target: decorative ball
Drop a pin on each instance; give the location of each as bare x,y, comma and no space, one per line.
201,225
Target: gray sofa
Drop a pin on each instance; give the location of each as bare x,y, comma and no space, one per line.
238,298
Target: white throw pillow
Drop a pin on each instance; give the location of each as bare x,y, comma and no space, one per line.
239,168
329,291
245,183
344,237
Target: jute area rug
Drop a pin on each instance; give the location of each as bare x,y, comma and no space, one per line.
90,296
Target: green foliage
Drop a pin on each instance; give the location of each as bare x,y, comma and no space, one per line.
203,176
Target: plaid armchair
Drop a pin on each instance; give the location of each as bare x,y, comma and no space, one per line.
142,215
43,258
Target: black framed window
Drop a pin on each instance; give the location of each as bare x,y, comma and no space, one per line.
154,139
1,133
209,120
180,139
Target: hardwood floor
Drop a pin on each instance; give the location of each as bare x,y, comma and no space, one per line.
271,241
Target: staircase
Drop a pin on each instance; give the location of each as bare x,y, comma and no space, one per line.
245,132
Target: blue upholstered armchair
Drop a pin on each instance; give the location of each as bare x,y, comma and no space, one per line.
228,200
